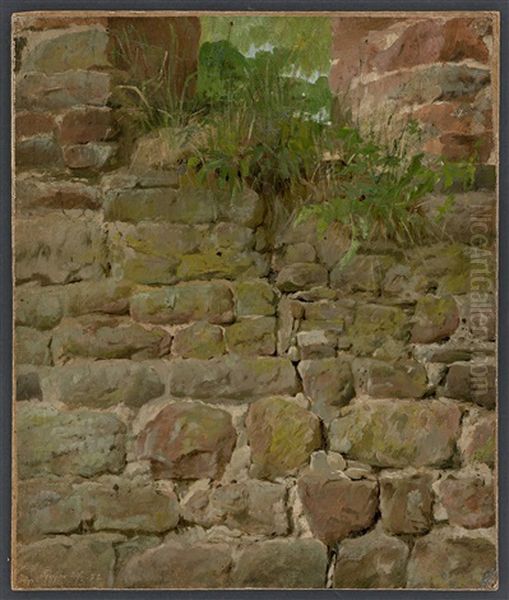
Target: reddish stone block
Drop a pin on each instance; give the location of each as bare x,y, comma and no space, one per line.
33,123
86,124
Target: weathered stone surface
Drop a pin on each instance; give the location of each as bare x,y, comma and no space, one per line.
317,343
223,264
302,252
102,383
60,506
34,192
188,440
199,340
406,501
32,346
176,564
301,276
57,248
436,319
255,507
328,383
255,297
245,207
28,382
235,377
93,155
292,563
129,505
335,506
362,274
28,123
79,442
374,560
252,336
389,433
101,336
85,124
381,379
161,204
228,236
38,151
466,498
473,381
331,313
281,435
133,546
374,325
477,443
452,557
78,561
444,267
472,213
46,507
150,252
62,90
211,301
37,306
68,51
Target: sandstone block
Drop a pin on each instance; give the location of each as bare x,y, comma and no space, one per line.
292,563
35,193
374,560
255,297
188,440
301,276
477,442
435,319
281,435
473,381
32,346
38,151
85,124
103,383
381,379
176,564
80,442
389,433
232,377
255,336
56,248
452,557
336,506
212,302
223,264
373,325
406,501
328,383
466,498
199,340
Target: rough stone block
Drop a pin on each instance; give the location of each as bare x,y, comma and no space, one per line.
390,433
161,204
477,442
62,90
406,501
255,297
32,346
452,557
328,383
254,507
436,319
374,325
78,561
362,274
473,381
374,560
381,379
282,435
56,248
178,564
291,563
199,340
38,152
80,442
301,276
222,264
336,506
188,440
255,336
466,498
93,155
317,343
212,302
81,125
33,192
101,384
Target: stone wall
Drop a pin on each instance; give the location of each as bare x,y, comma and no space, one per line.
436,70
199,408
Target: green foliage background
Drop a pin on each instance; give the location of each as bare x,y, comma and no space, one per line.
309,38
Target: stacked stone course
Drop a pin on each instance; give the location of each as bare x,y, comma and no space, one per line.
196,408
